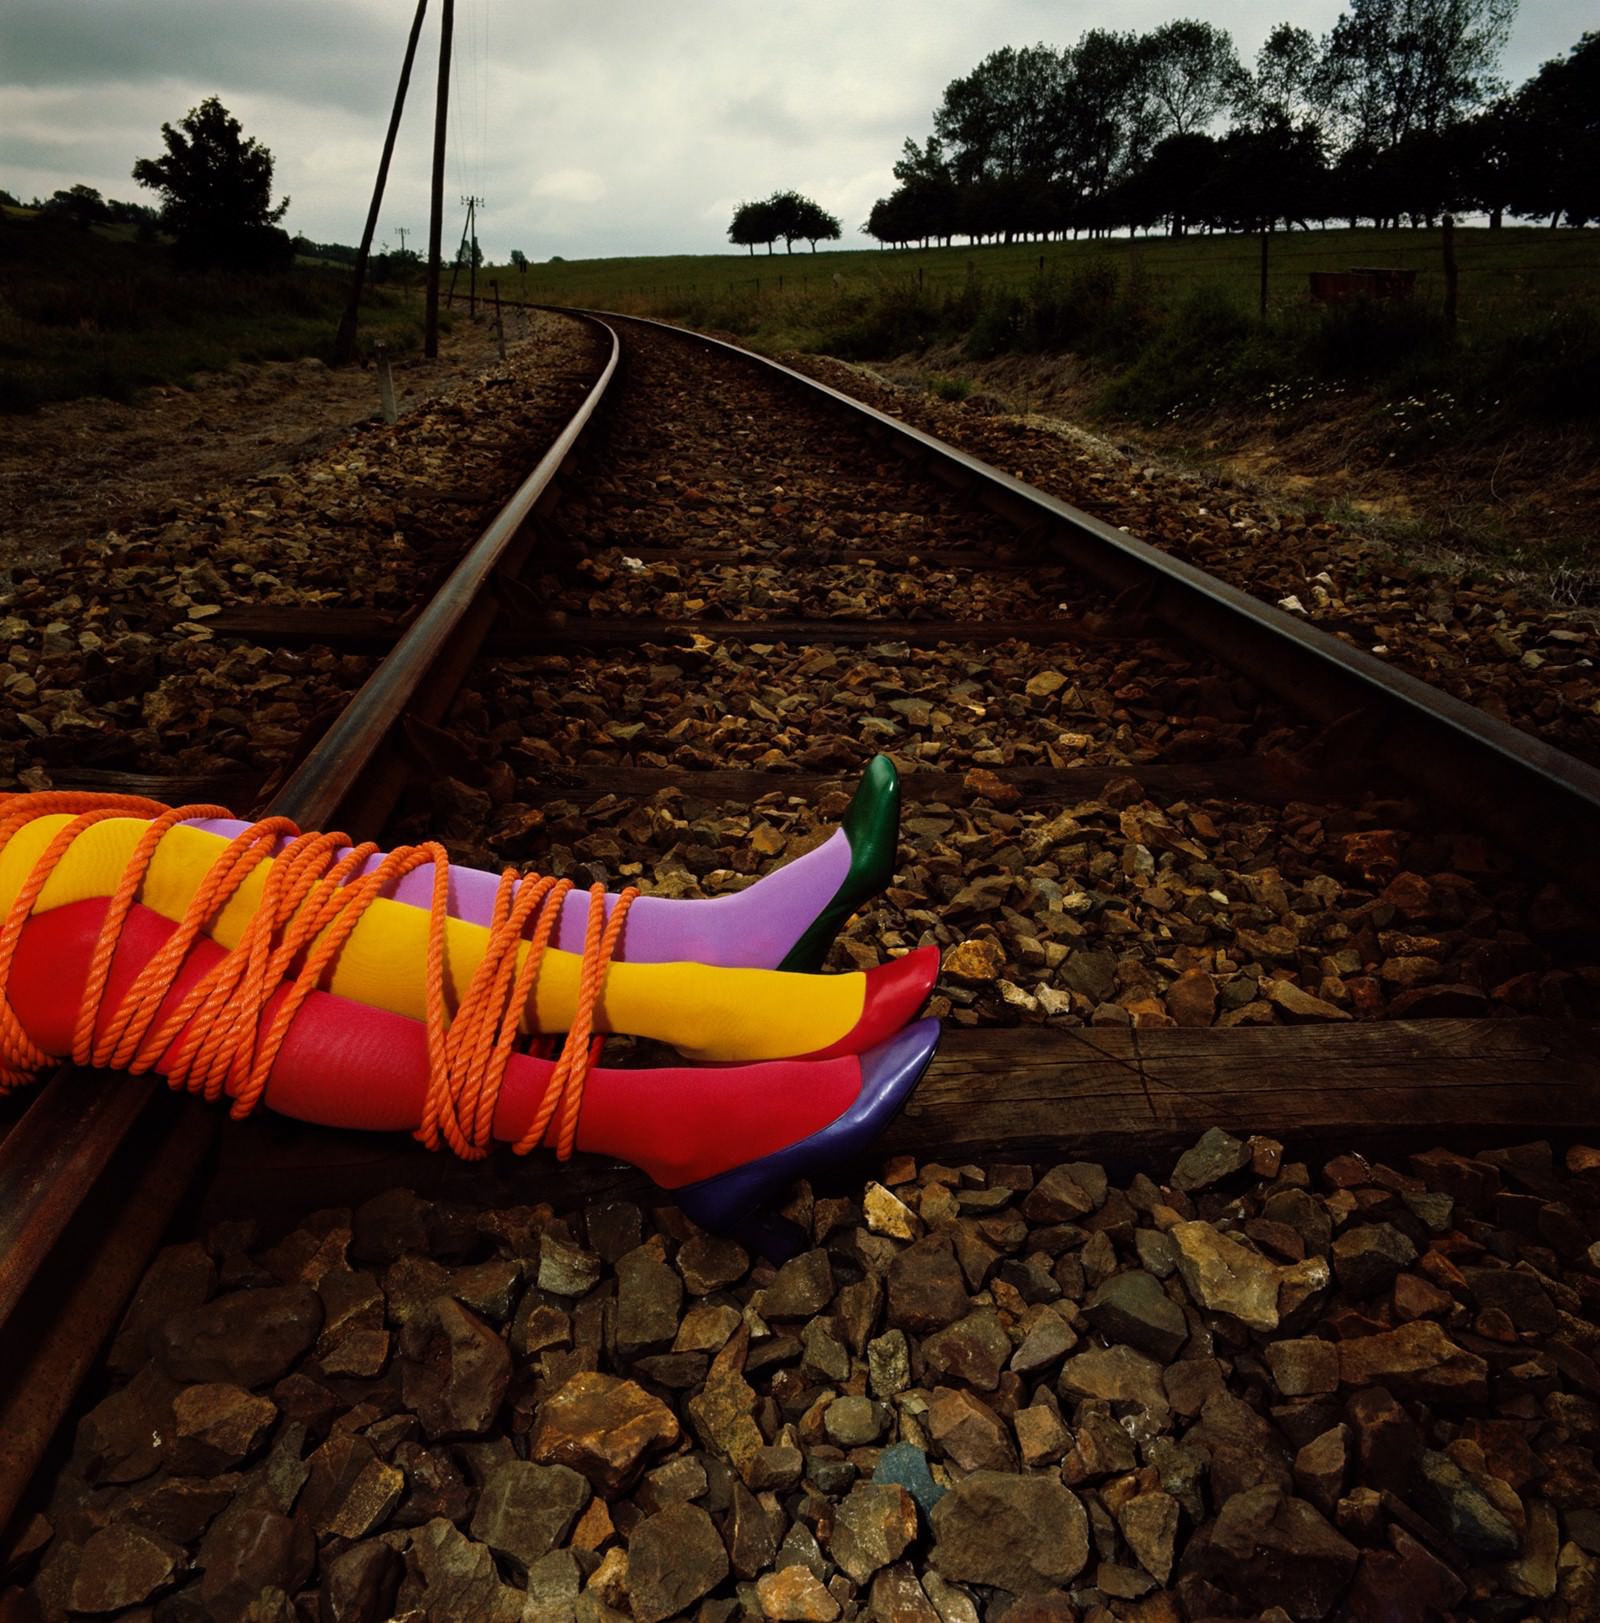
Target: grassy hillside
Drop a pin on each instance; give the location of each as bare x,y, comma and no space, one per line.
100,313
1497,269
1495,421
1171,328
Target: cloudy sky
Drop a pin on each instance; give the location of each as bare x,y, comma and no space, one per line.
592,129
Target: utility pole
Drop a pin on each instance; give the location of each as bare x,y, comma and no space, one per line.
471,238
436,213
402,232
344,344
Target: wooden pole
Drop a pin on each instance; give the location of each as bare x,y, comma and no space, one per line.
472,258
344,344
441,109
1450,280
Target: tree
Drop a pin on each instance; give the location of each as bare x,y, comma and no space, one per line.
1002,120
1396,66
1192,74
816,224
796,218
1286,89
1108,128
519,260
1551,134
753,223
83,205
216,191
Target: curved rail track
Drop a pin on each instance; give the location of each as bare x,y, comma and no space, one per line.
564,596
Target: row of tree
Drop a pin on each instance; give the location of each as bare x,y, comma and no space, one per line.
785,216
1397,112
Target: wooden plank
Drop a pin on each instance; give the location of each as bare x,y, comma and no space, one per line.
236,789
1269,780
1129,1099
630,633
798,556
1120,1095
366,629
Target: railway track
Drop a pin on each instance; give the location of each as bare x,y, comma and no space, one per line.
1193,864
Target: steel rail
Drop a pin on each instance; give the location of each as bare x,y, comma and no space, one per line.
1530,794
52,1159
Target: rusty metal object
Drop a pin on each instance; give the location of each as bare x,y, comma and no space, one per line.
55,1156
48,1344
346,781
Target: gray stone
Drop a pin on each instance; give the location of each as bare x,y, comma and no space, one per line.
127,1435
927,1289
888,1364
875,1525
1467,1514
1517,1294
248,1337
1024,1534
460,1578
349,1492
1367,1258
1066,1193
674,1557
1216,1156
974,1349
803,1286
1149,1522
1117,1374
825,1356
566,1269
1280,1551
553,1586
966,1430
250,1548
123,1565
181,1277
359,1583
456,1386
1133,1308
525,1511
649,1297
1048,1342
709,1263
852,1422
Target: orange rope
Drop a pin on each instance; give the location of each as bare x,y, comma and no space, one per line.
215,1040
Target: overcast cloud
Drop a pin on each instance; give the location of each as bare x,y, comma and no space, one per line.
610,127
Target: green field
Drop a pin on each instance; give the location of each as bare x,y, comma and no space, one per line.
1511,270
98,312
1171,328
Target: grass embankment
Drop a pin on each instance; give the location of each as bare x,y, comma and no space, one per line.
1495,422
100,313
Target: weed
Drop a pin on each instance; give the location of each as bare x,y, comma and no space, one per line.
949,387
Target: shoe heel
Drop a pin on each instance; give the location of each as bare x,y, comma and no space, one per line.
872,826
741,1201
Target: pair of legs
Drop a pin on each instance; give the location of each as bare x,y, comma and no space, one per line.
805,1070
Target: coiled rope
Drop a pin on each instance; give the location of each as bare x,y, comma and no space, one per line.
313,898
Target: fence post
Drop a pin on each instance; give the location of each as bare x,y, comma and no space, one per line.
385,383
1450,278
1266,232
